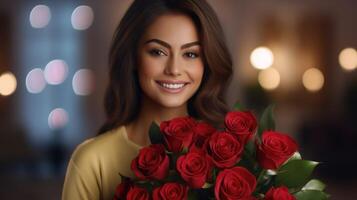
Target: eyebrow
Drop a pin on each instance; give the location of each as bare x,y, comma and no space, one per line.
167,45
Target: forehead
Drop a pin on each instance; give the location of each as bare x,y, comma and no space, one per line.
174,28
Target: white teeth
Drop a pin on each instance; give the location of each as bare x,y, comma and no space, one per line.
172,86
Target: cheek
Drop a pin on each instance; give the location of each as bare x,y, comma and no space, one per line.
197,72
148,69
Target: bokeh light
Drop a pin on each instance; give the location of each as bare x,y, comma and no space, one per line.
261,58
313,79
348,59
8,83
40,16
83,82
58,118
269,78
82,17
35,81
56,72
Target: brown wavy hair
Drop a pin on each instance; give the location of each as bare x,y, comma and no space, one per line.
122,98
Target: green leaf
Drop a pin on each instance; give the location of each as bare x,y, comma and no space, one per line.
295,156
271,172
311,195
142,181
173,176
214,174
247,159
249,148
145,184
192,195
207,185
295,173
123,177
266,120
155,135
314,184
173,160
184,150
238,107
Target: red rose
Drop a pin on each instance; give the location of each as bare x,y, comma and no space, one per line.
235,183
202,132
194,168
241,124
178,133
275,149
280,193
137,193
151,163
224,149
170,191
123,188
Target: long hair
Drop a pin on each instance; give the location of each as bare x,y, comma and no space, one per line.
122,98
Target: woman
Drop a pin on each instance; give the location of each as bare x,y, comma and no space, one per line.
168,59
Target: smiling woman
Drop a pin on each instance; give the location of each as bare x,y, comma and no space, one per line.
168,59
169,68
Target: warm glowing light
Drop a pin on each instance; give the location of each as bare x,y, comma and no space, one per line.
56,72
58,118
82,17
8,84
313,79
83,82
269,78
40,16
348,59
35,81
262,58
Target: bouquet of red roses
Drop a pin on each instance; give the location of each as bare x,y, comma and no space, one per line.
189,159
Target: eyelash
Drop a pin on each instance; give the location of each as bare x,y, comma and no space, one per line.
156,52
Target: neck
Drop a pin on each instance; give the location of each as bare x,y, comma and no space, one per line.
151,112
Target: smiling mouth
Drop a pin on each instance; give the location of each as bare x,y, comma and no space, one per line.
172,87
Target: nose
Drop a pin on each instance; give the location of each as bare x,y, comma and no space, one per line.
173,66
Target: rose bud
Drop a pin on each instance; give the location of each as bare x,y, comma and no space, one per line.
275,149
224,149
151,163
137,193
280,193
241,124
178,133
194,168
235,183
171,191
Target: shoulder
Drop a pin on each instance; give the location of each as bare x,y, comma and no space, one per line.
84,176
92,149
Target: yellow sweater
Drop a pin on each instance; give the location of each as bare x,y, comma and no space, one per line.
94,167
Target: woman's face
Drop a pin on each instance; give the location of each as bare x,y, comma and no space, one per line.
170,63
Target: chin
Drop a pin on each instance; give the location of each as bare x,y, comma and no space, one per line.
172,103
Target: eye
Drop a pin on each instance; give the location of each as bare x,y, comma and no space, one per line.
191,55
157,52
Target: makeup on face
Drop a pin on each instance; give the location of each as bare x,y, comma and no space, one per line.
170,67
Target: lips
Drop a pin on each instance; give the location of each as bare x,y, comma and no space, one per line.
171,82
172,86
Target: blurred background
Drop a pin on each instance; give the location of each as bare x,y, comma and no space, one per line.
298,54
